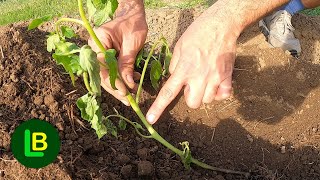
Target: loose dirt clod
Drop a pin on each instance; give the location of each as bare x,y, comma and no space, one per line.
123,159
145,168
126,170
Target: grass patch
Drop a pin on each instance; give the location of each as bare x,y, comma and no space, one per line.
12,11
20,10
312,12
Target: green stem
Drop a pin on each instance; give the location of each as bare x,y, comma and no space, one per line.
152,131
164,142
86,81
67,20
144,70
227,171
154,134
89,28
131,123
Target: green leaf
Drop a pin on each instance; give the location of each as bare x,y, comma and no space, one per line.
91,111
101,16
99,4
112,63
91,9
186,156
68,32
75,65
104,11
89,63
112,5
122,124
37,22
139,58
51,41
155,73
138,126
65,61
167,60
111,128
66,48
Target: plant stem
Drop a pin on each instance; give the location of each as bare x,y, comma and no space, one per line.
227,171
89,28
131,123
67,20
164,142
144,70
134,103
86,81
152,131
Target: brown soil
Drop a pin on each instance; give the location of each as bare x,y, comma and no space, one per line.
270,127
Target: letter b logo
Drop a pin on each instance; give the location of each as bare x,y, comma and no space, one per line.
40,146
35,142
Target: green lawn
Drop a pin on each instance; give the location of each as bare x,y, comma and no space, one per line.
20,10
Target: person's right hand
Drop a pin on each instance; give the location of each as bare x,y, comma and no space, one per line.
127,34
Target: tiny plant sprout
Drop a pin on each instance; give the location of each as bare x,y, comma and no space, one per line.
82,62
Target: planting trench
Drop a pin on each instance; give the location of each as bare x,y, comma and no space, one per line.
269,127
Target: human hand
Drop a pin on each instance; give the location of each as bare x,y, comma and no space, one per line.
202,61
127,34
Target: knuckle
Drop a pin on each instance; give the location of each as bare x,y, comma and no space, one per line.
166,94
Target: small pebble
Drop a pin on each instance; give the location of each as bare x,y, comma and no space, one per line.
283,149
249,137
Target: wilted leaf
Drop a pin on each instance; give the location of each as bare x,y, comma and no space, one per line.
122,124
68,32
91,111
111,128
65,61
111,61
155,73
51,41
37,22
89,63
75,65
186,157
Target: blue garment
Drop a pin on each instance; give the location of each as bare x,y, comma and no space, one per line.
293,6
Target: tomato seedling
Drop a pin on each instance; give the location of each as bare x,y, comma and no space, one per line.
82,62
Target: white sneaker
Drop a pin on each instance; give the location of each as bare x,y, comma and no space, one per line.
278,31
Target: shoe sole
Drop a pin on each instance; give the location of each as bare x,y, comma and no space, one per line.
265,31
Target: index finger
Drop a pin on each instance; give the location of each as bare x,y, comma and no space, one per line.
166,95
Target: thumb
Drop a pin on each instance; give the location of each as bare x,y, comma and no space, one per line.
166,95
127,57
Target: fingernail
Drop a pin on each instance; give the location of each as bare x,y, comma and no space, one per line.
125,102
120,93
151,118
130,78
225,95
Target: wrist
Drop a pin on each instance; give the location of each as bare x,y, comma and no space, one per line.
129,7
